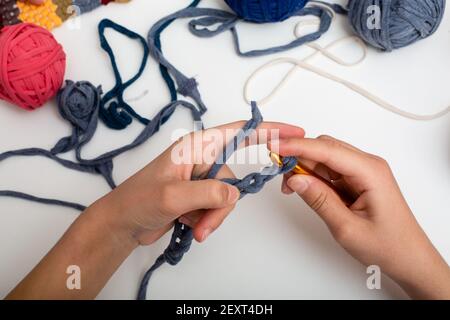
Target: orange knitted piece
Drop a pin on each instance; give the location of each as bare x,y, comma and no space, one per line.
43,15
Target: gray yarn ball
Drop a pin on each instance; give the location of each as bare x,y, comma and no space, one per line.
402,22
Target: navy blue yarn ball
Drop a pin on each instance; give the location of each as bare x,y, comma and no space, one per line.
401,23
262,11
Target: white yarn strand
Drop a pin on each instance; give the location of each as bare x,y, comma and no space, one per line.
326,51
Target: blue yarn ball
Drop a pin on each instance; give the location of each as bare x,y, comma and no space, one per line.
402,22
262,11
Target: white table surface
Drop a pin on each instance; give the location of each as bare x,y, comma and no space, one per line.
272,246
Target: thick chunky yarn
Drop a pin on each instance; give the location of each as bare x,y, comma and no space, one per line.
182,236
402,22
32,65
266,10
50,14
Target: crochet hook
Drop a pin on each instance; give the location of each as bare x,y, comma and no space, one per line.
302,170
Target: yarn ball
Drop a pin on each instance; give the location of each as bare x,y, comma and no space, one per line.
32,65
78,103
401,23
262,11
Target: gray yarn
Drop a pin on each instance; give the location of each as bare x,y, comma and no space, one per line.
403,22
24,196
182,236
86,5
223,21
79,104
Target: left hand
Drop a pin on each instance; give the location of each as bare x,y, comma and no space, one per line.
147,204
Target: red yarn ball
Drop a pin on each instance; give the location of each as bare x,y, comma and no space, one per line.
32,65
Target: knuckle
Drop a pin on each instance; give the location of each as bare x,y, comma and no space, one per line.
218,192
325,137
333,146
320,202
381,161
344,233
381,165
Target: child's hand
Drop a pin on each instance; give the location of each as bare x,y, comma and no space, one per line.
379,227
139,212
149,202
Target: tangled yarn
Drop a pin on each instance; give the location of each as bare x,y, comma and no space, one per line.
32,65
117,114
402,22
79,104
266,10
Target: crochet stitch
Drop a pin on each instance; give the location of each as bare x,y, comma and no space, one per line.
50,14
79,103
182,236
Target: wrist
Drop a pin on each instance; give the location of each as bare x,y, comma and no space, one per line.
426,275
111,221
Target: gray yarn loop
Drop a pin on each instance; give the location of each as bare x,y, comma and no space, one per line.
403,22
78,104
224,21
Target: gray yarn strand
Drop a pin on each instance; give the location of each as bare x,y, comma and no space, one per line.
224,21
78,104
24,196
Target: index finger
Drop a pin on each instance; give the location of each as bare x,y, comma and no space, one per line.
345,161
263,133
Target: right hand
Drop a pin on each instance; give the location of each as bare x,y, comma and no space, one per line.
378,228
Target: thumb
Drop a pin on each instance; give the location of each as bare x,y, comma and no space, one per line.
323,200
185,196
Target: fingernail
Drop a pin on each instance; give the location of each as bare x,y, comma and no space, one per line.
233,195
298,183
206,234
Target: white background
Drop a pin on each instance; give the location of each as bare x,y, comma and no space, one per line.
272,246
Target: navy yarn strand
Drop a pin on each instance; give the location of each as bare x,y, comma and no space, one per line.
79,105
114,111
263,11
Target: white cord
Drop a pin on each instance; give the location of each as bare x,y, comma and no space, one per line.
326,51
